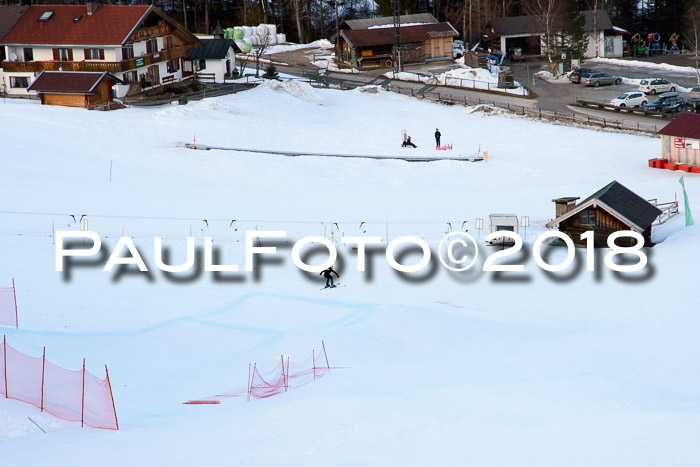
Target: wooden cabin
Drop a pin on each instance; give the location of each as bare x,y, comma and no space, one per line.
611,209
365,48
680,140
74,88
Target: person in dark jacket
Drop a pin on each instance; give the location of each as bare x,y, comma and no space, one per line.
408,143
437,137
329,278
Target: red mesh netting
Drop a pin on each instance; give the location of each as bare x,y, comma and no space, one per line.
285,375
62,393
8,308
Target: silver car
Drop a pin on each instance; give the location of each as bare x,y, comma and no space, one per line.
597,79
656,86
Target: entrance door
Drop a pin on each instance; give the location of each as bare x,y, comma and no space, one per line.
154,75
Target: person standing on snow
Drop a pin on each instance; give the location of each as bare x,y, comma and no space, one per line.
327,274
437,137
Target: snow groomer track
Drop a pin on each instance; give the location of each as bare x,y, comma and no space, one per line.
409,158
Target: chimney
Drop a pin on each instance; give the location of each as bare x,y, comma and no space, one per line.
91,7
564,205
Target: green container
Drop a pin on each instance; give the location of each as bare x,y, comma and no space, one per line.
238,35
228,33
245,48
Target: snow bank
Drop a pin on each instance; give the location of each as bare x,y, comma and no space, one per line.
465,77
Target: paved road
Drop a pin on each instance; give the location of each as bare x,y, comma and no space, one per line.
554,97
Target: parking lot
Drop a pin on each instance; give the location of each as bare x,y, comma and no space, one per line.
553,96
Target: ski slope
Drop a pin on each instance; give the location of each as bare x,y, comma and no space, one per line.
534,369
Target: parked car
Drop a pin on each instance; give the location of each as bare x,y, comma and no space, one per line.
630,99
695,92
596,79
575,76
666,102
693,105
656,86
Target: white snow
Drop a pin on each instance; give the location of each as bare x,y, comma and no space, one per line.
391,25
573,369
658,67
321,43
463,77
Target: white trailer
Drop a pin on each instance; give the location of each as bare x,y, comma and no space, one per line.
501,222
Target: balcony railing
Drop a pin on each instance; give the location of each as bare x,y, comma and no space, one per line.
93,65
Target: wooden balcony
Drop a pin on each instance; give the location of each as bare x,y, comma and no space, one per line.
95,65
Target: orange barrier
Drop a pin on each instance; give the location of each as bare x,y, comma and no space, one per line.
8,306
76,396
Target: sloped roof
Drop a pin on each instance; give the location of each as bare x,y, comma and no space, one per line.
69,82
385,36
212,49
9,15
686,125
621,202
108,25
533,25
369,22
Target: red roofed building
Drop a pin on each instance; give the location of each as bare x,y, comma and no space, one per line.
138,44
680,140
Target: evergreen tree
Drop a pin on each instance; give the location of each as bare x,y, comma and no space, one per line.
574,37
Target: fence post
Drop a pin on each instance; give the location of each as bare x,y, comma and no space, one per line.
109,384
287,386
284,378
82,405
248,381
328,365
313,362
438,95
14,293
4,356
43,366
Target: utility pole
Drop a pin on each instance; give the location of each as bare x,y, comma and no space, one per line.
397,35
337,32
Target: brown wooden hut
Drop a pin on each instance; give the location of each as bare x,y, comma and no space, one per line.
74,89
608,210
375,47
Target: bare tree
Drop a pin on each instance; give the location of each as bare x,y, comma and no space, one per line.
595,6
297,18
547,14
264,41
692,34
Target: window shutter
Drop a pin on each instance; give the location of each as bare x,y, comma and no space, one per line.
70,55
87,54
55,55
102,54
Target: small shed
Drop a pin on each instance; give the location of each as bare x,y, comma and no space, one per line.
375,47
611,209
680,140
74,88
503,222
216,56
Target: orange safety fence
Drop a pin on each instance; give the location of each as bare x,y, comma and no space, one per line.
285,375
8,306
76,396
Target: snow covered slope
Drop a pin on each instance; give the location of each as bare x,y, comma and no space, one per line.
570,368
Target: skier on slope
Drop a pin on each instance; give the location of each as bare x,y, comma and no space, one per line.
327,274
